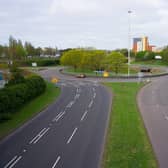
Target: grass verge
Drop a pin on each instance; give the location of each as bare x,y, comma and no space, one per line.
29,110
127,143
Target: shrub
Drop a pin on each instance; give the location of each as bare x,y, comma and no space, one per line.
15,96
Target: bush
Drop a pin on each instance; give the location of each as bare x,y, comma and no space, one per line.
14,97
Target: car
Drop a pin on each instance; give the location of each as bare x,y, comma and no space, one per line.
81,76
145,69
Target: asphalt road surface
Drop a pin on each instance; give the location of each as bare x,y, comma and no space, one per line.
153,102
70,133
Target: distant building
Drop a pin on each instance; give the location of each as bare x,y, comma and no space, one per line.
142,44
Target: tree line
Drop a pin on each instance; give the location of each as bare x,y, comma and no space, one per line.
16,50
94,60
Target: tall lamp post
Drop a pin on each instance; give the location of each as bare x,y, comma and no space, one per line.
129,40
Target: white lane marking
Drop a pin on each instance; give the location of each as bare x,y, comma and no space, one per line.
84,115
41,136
166,117
17,160
56,162
70,104
78,90
91,103
13,162
58,116
77,96
37,135
14,158
94,95
69,140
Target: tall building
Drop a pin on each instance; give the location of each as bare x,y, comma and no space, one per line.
141,44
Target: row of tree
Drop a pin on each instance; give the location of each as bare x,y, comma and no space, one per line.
94,60
17,50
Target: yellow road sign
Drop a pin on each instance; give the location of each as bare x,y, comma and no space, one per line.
105,74
54,80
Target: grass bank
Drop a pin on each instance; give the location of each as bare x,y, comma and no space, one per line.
127,143
29,110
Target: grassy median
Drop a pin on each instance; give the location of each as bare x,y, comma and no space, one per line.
29,110
127,143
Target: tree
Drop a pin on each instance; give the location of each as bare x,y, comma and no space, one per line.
165,54
20,51
72,58
93,59
115,61
30,50
12,47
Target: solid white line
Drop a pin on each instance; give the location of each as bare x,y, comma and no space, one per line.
13,164
84,115
69,140
14,158
56,162
37,135
41,136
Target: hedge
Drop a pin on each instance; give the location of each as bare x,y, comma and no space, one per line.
40,62
14,97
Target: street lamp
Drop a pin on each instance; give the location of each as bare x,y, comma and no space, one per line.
129,40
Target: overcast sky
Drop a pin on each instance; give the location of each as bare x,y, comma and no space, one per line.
72,23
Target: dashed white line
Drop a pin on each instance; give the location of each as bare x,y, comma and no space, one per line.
13,162
56,162
94,95
91,103
69,140
84,115
77,96
70,104
39,136
14,158
58,116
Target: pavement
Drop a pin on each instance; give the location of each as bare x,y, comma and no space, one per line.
70,133
153,103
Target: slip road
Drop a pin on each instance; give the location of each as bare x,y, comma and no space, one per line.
67,134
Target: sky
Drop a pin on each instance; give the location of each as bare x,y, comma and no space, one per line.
102,24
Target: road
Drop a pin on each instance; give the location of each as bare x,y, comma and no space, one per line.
153,103
70,133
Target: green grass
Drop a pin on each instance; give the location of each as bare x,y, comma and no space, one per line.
30,109
127,143
151,63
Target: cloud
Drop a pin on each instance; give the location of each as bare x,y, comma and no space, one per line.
73,6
